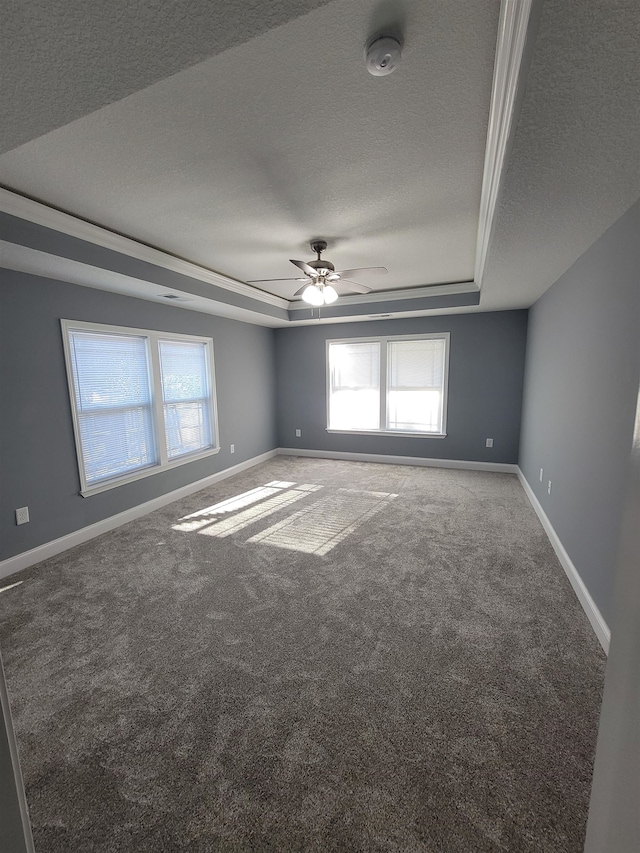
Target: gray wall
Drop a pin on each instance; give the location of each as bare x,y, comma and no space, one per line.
581,382
38,459
485,387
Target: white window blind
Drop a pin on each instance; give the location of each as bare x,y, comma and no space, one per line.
354,393
415,388
185,396
388,384
113,403
142,401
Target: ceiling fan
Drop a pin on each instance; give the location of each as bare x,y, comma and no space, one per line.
321,276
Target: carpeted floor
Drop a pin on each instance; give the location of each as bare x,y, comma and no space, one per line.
326,656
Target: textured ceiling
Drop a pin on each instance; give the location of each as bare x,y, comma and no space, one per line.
62,59
237,162
575,164
231,134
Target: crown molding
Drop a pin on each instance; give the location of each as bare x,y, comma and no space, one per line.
34,211
24,259
517,29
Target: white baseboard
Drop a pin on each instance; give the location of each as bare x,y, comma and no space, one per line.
499,467
588,604
56,546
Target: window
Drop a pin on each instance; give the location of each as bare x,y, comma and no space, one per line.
395,385
185,396
355,385
142,401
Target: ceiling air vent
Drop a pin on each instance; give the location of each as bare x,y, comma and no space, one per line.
175,297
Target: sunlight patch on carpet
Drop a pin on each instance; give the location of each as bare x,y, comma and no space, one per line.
223,519
318,528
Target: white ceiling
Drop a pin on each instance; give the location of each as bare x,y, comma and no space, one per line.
231,134
575,164
63,59
237,162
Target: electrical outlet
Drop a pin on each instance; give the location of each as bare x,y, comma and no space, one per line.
233,448
22,515
541,474
489,442
298,433
549,488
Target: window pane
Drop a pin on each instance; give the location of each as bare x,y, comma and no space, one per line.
113,402
116,442
186,396
109,370
415,385
354,396
187,427
184,370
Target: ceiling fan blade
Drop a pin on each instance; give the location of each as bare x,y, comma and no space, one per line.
302,289
266,280
353,285
367,270
304,266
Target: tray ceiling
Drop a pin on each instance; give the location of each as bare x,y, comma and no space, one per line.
231,136
236,163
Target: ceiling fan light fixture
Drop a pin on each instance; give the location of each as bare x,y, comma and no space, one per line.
313,295
320,276
330,294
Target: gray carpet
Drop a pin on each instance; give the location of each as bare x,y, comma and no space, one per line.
356,657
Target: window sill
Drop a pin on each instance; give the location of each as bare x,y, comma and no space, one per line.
146,472
388,432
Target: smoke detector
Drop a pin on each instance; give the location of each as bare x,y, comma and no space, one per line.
382,55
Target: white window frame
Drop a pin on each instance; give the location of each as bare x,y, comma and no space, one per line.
152,338
383,340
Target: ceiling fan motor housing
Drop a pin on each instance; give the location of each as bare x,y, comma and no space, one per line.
322,267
